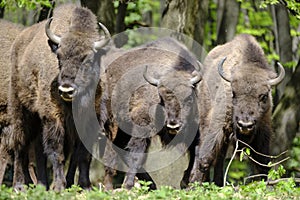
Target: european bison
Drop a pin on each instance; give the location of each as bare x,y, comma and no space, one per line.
8,33
239,82
140,105
43,84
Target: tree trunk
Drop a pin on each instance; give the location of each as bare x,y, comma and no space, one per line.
120,25
227,19
199,32
286,116
104,10
283,41
181,16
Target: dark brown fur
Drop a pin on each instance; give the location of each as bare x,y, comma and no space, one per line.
173,67
247,97
35,78
8,33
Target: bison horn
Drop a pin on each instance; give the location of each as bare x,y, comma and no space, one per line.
150,79
99,44
199,66
221,72
54,38
280,77
197,78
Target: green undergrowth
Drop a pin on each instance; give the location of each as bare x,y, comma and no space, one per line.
256,190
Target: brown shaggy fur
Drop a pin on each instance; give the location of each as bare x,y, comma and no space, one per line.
239,100
34,97
172,64
8,33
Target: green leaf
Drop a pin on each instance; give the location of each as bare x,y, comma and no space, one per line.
241,156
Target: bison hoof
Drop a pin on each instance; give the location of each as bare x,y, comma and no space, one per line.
59,186
128,186
19,187
195,176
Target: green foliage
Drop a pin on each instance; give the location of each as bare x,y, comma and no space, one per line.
293,165
292,5
136,9
255,190
27,4
257,21
276,173
238,171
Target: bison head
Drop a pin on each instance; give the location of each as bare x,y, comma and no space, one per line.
78,58
251,96
176,90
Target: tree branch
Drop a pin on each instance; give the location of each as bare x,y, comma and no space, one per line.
268,156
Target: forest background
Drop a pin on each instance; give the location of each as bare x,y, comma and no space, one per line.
275,24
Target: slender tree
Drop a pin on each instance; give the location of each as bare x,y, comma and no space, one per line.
286,116
180,15
283,42
227,20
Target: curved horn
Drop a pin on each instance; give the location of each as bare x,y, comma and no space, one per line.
220,70
54,38
197,78
99,44
279,78
150,79
199,66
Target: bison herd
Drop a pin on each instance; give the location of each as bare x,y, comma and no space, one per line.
61,72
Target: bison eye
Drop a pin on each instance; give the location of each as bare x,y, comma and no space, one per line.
233,94
263,98
83,58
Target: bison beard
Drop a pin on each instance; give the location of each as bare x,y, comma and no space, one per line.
239,82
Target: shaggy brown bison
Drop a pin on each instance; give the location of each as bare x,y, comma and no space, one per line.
8,33
151,90
43,85
239,82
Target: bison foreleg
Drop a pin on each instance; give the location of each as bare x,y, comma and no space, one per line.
109,159
41,162
135,159
185,180
261,144
21,172
4,157
196,174
72,168
219,165
53,136
84,161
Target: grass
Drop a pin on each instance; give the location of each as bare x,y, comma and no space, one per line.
255,190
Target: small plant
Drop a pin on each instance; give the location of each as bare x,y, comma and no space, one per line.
276,173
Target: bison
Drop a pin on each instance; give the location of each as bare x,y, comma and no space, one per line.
43,85
239,82
140,105
8,33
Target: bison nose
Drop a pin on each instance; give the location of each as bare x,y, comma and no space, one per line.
67,92
245,127
173,126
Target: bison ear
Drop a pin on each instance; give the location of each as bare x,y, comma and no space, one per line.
53,46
